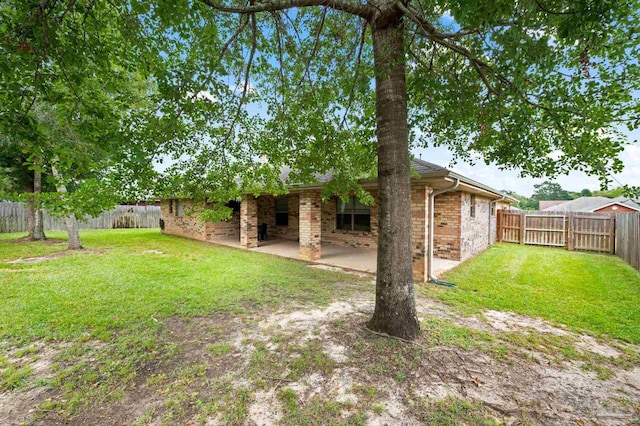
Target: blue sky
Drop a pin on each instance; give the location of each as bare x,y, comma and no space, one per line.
509,179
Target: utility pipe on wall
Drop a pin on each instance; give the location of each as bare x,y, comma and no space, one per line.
456,182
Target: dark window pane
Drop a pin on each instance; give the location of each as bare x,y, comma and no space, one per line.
282,205
235,205
282,219
343,207
343,221
360,208
362,222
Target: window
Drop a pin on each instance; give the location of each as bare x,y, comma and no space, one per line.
472,207
492,208
353,215
233,205
170,206
282,212
179,208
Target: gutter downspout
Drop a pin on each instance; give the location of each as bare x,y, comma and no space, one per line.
430,275
493,202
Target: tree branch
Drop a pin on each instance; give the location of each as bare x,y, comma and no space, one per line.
358,9
356,72
470,31
479,65
277,25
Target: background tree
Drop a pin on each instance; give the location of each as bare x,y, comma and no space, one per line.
550,191
610,193
17,177
77,100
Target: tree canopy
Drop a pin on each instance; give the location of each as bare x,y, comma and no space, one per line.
544,86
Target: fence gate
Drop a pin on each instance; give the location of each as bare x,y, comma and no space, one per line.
575,231
509,226
594,233
545,230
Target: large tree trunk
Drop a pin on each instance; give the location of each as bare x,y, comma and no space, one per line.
395,311
31,211
70,221
38,222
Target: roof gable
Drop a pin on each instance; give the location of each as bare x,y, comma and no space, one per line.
589,204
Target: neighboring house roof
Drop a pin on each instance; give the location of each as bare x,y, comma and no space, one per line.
590,204
427,171
544,204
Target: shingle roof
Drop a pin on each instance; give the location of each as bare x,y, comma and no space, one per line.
423,168
589,204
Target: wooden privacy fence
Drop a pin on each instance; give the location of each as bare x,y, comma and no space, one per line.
13,218
628,238
575,231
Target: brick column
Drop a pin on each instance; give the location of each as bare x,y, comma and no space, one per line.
249,222
310,225
420,232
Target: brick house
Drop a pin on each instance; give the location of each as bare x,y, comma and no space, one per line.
463,212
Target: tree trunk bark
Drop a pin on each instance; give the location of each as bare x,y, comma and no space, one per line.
38,222
395,311
31,210
70,221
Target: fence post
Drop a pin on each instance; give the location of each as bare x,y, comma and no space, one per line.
522,222
499,226
612,233
570,235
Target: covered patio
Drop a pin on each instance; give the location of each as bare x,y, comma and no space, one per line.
350,258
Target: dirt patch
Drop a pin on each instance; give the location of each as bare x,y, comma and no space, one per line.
159,252
48,241
321,366
54,256
508,321
17,406
343,270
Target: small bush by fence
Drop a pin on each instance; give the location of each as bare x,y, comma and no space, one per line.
13,218
628,238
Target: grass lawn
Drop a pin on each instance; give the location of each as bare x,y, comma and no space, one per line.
593,293
129,278
143,328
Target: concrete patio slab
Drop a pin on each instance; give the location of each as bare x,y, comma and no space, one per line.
353,258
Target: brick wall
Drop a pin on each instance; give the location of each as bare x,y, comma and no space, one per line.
349,238
420,231
620,209
249,222
310,225
267,214
224,230
474,231
446,226
188,225
191,226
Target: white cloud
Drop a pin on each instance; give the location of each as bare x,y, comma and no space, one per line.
240,87
202,95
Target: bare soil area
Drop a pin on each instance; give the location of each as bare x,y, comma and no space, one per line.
322,366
